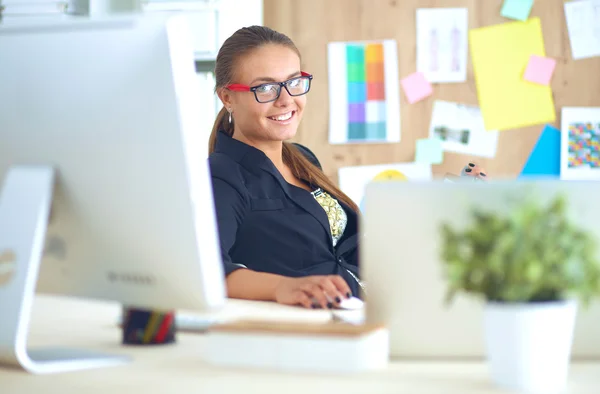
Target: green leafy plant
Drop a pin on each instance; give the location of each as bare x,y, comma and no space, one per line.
533,254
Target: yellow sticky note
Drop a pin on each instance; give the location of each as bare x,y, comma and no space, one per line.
500,54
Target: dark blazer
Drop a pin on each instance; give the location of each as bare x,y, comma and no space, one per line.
268,225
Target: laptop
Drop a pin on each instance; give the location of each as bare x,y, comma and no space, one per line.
403,271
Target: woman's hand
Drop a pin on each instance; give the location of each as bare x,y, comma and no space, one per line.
475,171
320,291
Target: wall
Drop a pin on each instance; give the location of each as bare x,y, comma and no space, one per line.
313,23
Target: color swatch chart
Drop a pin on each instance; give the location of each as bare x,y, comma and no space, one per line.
366,91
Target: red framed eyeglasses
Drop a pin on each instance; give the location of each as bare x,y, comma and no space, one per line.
267,92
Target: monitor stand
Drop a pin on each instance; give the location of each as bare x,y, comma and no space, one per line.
25,202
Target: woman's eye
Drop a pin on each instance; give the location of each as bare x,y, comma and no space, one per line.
295,83
265,89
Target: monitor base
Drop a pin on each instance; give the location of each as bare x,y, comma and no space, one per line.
25,203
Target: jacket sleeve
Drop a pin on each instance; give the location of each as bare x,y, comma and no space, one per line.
230,207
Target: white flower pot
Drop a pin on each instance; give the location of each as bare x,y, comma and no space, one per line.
529,345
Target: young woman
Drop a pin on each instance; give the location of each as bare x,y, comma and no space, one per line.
288,234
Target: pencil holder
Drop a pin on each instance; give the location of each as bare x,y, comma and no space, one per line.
148,327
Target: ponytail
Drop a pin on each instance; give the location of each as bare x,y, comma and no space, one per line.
221,124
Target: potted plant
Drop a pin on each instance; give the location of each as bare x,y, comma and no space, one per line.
532,267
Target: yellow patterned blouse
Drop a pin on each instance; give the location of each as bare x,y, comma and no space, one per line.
335,213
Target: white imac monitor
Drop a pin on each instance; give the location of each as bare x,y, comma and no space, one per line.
105,187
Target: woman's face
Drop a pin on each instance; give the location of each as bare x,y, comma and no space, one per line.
273,121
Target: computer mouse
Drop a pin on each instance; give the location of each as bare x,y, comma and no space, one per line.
351,303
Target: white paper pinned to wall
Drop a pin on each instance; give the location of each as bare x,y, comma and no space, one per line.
442,44
462,130
583,24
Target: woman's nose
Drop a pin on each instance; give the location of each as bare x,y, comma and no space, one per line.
284,98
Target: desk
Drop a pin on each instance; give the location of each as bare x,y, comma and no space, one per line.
176,368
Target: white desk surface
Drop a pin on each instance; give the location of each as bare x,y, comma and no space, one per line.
176,368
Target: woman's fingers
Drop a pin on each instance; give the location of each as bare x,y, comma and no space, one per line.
316,292
327,290
341,285
331,290
303,299
321,291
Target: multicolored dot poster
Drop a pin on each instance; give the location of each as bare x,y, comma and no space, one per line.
584,145
580,143
364,102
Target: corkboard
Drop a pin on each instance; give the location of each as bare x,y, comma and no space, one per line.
314,23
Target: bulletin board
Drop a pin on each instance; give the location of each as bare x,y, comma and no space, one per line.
312,24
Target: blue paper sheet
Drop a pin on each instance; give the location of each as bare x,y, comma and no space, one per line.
544,160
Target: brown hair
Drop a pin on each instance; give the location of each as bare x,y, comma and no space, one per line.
235,47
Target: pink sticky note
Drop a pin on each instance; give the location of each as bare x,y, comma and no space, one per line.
416,87
539,69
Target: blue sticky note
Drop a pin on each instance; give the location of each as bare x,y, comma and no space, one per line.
517,9
544,159
429,151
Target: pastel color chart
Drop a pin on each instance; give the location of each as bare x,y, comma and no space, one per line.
366,92
364,99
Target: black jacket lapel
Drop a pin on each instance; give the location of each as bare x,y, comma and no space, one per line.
301,197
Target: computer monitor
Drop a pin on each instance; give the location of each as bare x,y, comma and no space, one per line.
404,273
105,183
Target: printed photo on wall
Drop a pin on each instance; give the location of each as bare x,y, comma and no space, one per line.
580,143
364,98
354,179
461,129
442,44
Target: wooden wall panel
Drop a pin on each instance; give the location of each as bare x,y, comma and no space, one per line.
314,23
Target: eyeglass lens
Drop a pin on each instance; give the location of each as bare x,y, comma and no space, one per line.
270,91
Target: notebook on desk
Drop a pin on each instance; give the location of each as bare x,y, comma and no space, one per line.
298,347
